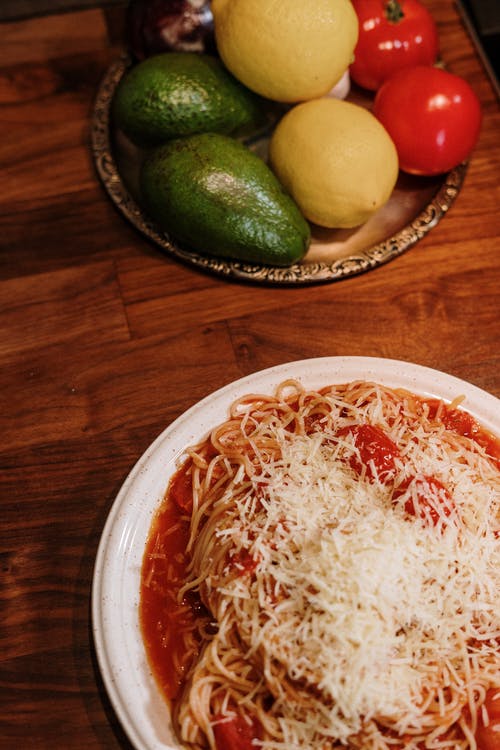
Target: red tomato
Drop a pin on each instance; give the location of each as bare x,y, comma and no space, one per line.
433,117
392,35
430,498
488,736
377,451
235,734
243,562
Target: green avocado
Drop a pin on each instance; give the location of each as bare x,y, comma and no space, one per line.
212,193
182,93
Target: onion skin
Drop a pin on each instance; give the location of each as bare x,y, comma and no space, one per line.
155,26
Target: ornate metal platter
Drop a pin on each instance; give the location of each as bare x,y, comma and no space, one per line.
415,207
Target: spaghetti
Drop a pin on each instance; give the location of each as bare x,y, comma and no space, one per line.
343,548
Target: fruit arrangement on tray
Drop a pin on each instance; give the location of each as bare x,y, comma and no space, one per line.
208,77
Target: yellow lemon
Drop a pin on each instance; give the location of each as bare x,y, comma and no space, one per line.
287,51
336,160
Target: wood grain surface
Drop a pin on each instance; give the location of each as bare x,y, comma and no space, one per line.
104,340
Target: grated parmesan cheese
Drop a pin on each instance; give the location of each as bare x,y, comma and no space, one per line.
365,611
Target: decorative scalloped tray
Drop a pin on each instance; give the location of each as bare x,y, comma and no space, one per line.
415,207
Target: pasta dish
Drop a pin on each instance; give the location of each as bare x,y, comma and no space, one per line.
324,573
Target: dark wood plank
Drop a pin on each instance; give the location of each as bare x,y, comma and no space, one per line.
13,10
80,304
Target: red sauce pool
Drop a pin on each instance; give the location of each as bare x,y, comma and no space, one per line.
168,625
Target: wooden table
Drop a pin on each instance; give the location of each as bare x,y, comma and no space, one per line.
105,340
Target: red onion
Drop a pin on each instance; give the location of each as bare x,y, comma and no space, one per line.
155,26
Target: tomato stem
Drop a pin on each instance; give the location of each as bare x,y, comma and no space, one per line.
394,11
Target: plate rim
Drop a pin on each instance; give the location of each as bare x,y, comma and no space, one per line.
119,529
298,274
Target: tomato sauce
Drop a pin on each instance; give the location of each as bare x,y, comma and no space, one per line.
463,423
168,625
488,734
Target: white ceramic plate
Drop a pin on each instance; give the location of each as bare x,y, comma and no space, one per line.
115,596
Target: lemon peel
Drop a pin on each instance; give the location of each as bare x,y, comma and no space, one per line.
336,160
286,51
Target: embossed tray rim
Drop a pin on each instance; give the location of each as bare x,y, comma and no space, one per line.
296,274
